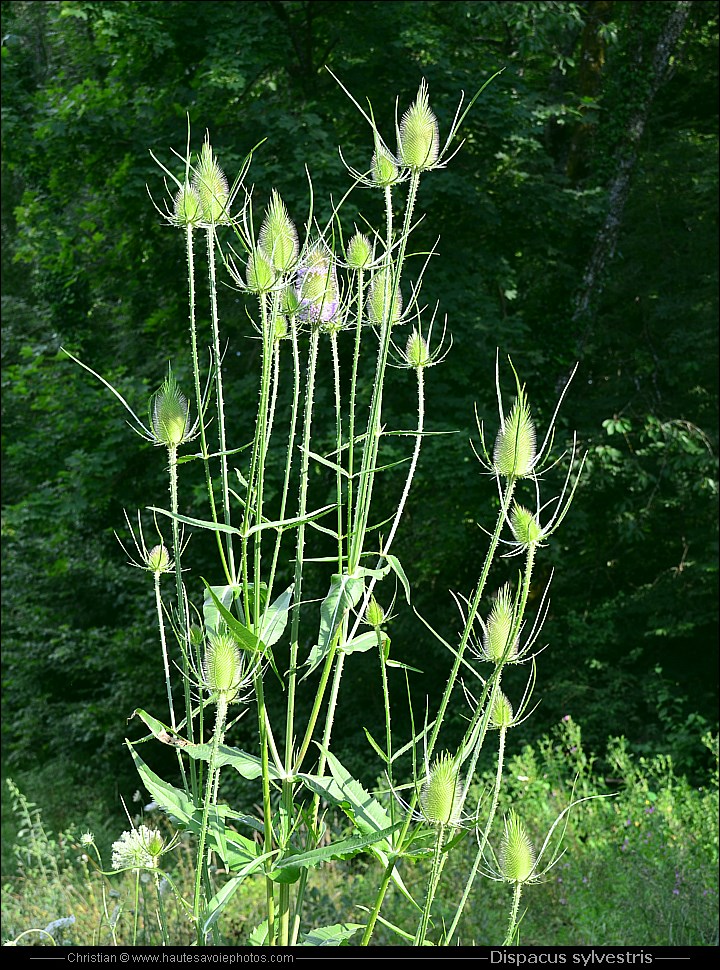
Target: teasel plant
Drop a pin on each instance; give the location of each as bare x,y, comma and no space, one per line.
312,289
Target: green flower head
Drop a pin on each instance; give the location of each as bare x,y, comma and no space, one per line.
515,450
517,854
211,187
278,236
223,667
168,414
440,795
499,626
418,135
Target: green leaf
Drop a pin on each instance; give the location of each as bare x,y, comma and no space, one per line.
376,747
394,563
199,523
259,935
344,849
244,637
286,523
334,935
344,593
366,641
211,614
247,765
325,461
343,790
275,618
234,849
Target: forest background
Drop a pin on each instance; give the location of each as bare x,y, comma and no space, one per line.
577,223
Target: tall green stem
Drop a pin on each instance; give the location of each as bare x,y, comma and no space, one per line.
200,869
166,666
219,397
512,922
372,440
483,840
436,869
198,392
182,615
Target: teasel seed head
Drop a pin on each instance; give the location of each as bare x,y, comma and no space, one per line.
212,187
440,793
316,286
525,526
419,138
515,446
499,627
278,236
188,207
359,252
223,668
158,560
384,167
374,614
379,299
169,413
417,352
502,713
517,854
259,275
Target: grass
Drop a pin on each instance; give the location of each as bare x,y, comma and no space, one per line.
640,868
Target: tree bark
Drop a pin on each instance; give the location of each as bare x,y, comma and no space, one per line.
606,240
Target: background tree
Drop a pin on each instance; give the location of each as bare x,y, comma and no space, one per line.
89,88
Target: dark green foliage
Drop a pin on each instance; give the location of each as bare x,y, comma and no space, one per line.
89,88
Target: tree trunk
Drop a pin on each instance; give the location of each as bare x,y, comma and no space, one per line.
606,240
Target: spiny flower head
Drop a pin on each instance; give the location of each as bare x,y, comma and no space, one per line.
278,236
374,614
158,560
188,207
382,306
418,135
517,854
440,795
515,450
525,526
417,351
212,188
501,715
384,167
141,848
499,626
260,276
168,414
223,667
359,252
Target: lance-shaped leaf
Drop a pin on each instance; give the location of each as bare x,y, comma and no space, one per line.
359,805
275,618
211,614
234,849
344,849
247,765
244,637
344,593
335,935
366,641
